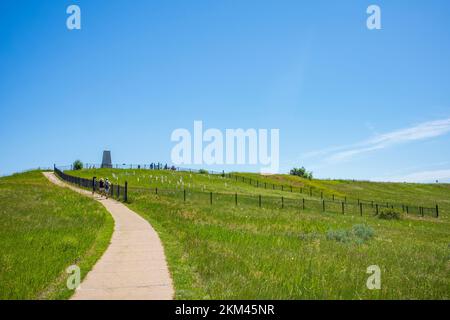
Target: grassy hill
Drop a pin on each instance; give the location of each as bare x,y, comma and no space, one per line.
43,230
427,195
228,251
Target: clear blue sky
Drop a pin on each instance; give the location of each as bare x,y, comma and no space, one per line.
349,102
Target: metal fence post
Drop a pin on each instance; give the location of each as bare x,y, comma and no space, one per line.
125,195
360,209
93,184
210,197
323,205
343,207
235,199
437,211
184,195
260,201
282,202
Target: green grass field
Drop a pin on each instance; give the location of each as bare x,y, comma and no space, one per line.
427,195
43,230
224,251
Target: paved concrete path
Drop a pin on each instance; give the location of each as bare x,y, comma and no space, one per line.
133,266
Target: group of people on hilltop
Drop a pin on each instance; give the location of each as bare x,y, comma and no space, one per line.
159,166
104,187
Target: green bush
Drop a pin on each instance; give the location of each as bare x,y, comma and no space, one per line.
77,165
302,173
358,234
363,232
203,171
389,214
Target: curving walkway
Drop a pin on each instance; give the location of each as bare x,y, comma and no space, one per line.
134,266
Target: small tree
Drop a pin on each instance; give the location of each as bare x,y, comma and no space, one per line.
301,172
77,165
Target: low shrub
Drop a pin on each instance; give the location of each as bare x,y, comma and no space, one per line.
203,171
363,231
358,234
389,214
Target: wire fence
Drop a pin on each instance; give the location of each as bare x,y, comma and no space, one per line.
327,197
262,201
274,202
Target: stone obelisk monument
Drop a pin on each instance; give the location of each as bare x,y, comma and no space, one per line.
106,160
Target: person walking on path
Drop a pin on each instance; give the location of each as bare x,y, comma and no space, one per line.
101,186
107,187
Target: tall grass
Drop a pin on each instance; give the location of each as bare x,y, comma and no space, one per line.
44,229
224,251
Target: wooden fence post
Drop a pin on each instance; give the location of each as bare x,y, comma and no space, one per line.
437,211
125,195
210,198
323,205
260,201
282,202
360,209
235,199
303,203
343,207
184,195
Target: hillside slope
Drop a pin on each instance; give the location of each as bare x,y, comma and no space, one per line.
220,249
43,230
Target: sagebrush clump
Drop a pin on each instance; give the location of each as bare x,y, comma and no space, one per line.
389,214
358,234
